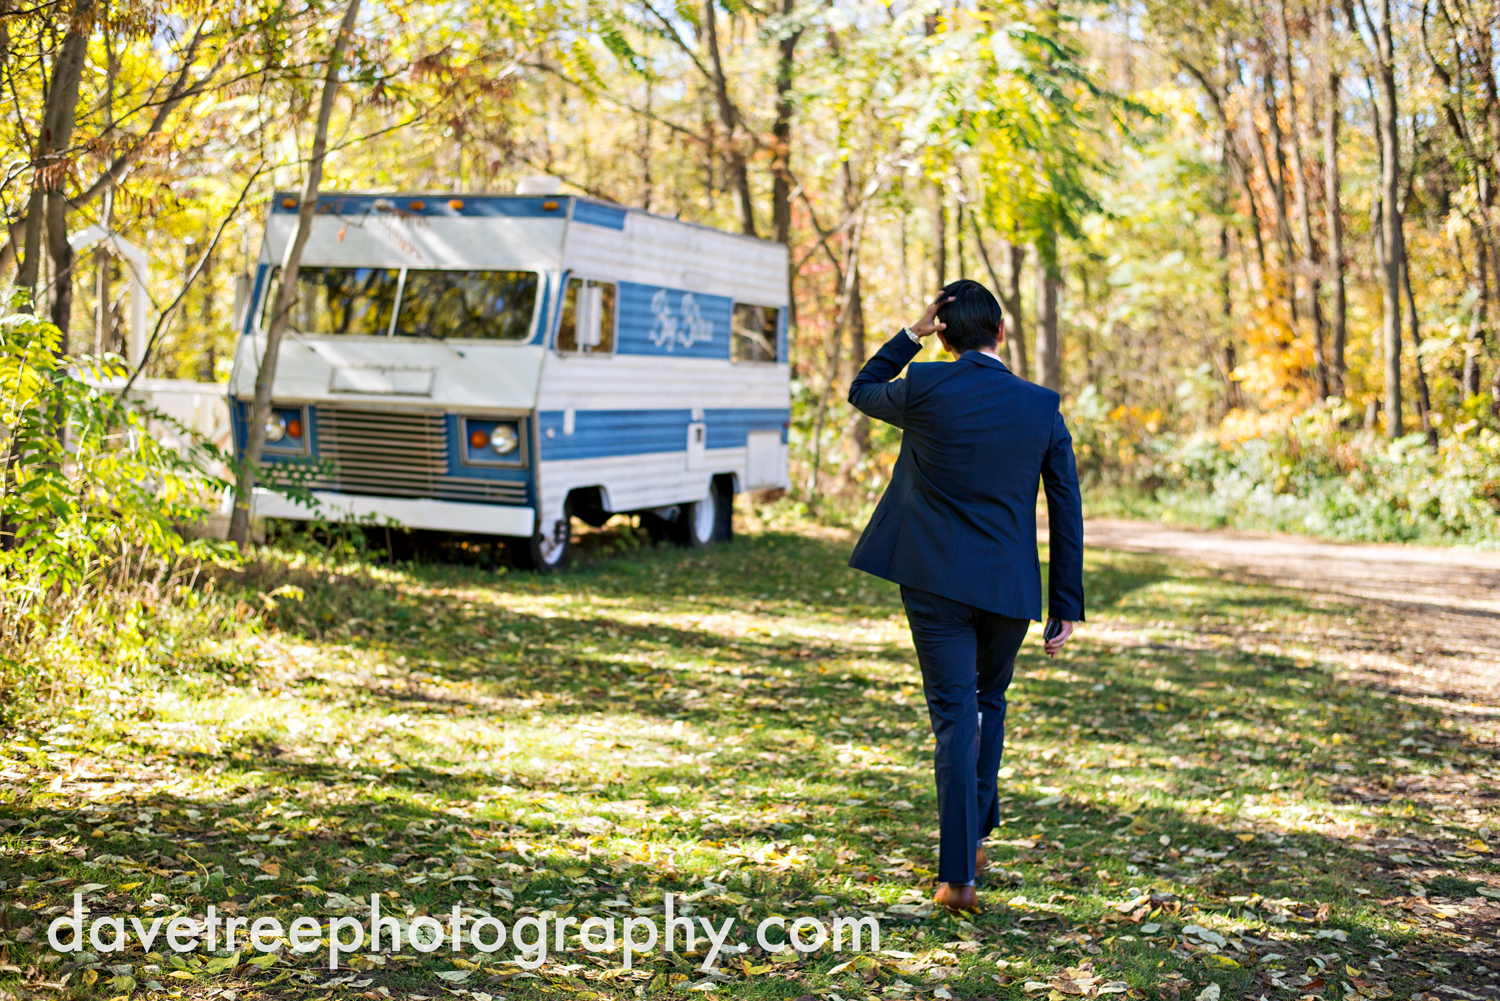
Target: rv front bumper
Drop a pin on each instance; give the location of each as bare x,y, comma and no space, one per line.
441,516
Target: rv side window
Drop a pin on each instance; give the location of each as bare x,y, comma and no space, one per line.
487,305
587,324
339,300
755,332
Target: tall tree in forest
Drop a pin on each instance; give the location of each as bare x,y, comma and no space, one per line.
1276,178
291,262
1473,156
46,213
1309,253
1008,291
781,138
1233,171
1048,279
729,113
58,135
1333,207
1382,47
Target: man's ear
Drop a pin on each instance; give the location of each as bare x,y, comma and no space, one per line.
1000,338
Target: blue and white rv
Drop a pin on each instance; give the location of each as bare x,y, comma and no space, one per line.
503,364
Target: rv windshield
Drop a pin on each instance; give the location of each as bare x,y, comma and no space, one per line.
341,300
481,305
489,305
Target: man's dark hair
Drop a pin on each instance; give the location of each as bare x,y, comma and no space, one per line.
972,319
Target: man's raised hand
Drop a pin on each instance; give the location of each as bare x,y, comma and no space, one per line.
929,323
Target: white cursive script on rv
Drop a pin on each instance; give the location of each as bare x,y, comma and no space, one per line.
671,331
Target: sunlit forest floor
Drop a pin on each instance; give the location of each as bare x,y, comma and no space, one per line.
1208,790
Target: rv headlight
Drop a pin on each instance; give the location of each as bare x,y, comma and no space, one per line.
504,440
275,428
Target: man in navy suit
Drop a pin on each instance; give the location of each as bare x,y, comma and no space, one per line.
957,530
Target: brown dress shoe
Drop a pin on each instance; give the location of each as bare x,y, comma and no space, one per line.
956,898
981,860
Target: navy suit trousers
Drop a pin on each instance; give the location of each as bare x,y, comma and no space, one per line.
968,656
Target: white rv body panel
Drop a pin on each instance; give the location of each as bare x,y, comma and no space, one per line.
438,516
474,376
664,252
387,240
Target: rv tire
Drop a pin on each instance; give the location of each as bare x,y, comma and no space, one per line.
723,490
697,523
547,551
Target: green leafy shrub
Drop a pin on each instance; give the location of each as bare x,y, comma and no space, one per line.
97,575
1311,472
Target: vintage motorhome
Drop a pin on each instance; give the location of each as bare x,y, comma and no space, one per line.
499,364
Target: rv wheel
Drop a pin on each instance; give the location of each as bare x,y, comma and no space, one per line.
723,489
696,522
546,551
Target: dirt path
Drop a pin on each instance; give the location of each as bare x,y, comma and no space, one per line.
1440,607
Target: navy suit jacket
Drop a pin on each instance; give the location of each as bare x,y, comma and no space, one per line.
959,515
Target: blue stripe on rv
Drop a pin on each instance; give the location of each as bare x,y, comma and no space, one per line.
262,276
731,428
598,215
670,322
600,434
514,206
547,317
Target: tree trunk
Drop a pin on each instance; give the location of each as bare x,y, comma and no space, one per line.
939,240
739,174
859,433
31,244
1390,221
1226,288
1478,322
61,253
854,322
1304,207
1048,350
958,240
1008,291
833,341
1424,399
45,214
1334,212
265,376
781,156
1015,320
646,182
1226,308
206,314
1275,181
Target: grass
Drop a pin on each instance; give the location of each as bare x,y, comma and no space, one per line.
1198,792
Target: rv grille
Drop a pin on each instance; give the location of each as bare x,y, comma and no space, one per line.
393,454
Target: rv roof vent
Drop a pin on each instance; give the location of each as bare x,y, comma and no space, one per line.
539,184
